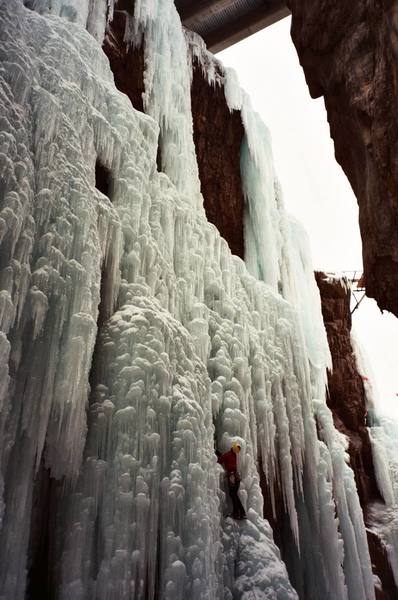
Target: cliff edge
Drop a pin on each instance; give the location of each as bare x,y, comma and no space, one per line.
348,51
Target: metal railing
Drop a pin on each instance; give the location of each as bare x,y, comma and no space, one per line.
357,284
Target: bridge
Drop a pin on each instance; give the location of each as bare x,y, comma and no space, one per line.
222,23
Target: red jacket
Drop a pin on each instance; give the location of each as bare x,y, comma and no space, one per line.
228,461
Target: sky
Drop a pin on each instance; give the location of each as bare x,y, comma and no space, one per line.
315,188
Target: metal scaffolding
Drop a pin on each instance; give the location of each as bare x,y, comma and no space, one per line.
356,282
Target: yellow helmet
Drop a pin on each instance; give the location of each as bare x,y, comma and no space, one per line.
235,447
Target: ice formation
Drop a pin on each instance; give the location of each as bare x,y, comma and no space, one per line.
383,433
192,348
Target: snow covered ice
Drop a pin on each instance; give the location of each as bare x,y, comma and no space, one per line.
192,349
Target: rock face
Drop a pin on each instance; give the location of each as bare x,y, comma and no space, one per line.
218,135
349,53
346,395
126,61
346,399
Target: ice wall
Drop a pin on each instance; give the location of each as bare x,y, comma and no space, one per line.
196,352
383,433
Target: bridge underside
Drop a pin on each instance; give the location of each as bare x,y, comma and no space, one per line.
222,23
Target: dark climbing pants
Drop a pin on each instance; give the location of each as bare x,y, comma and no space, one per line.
238,511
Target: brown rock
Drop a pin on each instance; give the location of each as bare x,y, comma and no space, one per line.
126,62
346,394
349,52
218,136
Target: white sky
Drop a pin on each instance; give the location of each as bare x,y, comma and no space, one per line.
315,188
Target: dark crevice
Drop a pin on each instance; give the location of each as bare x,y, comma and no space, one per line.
276,515
159,156
103,182
41,556
103,179
95,560
105,305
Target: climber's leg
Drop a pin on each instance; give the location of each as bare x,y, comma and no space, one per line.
238,510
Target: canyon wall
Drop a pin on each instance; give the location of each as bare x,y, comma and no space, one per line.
346,393
137,343
349,53
347,400
218,135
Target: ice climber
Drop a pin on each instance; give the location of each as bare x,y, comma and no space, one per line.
229,461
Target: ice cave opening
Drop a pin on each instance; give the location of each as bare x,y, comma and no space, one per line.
103,179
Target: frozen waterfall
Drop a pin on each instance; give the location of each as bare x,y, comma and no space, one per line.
109,424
